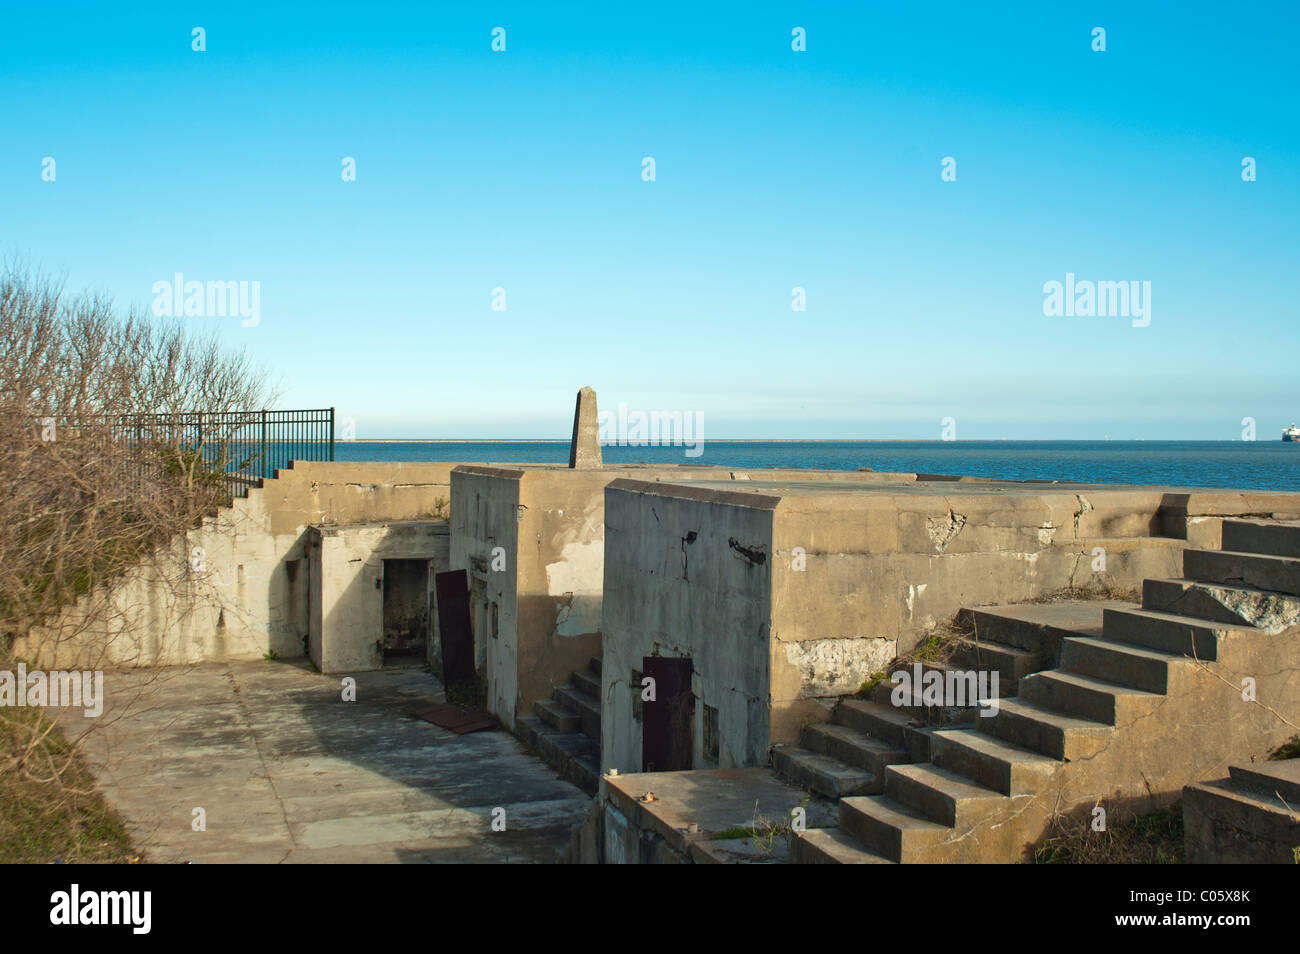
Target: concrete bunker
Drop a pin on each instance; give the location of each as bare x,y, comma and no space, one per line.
407,600
371,598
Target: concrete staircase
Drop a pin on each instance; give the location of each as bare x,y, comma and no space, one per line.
1135,709
849,755
566,730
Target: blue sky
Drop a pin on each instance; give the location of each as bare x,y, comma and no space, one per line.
774,169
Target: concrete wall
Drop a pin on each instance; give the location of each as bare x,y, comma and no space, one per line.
485,514
236,587
551,522
676,587
782,613
246,592
860,578
346,572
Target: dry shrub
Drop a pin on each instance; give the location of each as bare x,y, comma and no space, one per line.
101,473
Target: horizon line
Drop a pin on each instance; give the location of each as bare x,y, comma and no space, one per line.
810,440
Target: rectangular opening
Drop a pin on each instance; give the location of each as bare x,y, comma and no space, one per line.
668,723
454,626
406,609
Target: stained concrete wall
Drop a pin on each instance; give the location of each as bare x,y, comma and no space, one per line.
678,583
245,594
861,577
485,516
550,520
346,570
546,580
841,578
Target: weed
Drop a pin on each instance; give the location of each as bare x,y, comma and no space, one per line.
1287,750
1156,838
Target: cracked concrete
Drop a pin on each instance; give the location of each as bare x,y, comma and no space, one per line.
943,531
285,771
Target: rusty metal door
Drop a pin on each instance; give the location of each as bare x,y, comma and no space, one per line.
668,721
457,635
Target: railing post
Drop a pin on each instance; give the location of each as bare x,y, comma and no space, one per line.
262,465
331,434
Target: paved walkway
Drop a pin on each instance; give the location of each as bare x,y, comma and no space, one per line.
287,772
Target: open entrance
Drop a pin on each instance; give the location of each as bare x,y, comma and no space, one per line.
406,610
668,721
454,626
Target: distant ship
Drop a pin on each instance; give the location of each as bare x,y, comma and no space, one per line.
1291,434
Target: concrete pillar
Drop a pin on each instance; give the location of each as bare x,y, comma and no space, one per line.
584,449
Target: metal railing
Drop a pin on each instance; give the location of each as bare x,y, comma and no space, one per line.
245,446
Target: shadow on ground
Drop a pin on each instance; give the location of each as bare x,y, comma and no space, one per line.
286,771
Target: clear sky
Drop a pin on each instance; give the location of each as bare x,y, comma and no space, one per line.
774,169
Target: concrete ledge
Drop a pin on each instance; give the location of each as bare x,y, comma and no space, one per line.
716,800
1224,825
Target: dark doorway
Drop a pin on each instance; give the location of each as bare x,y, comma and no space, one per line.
457,635
406,608
668,721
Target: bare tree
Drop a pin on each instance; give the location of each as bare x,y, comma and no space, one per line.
115,432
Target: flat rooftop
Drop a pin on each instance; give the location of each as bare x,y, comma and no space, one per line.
760,483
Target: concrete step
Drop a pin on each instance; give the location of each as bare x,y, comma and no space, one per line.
1044,730
851,747
941,795
923,715
587,681
1276,780
830,846
1170,633
1223,603
572,755
1275,573
824,775
959,691
1226,825
1009,662
1088,697
889,829
882,722
1269,537
556,716
1120,663
993,762
1036,627
584,704
594,665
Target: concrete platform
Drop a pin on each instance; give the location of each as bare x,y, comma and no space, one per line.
288,772
716,800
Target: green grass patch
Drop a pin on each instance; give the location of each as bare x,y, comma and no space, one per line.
864,692
47,822
729,833
1287,750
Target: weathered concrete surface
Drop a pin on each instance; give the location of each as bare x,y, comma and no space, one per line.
639,831
546,581
786,592
584,449
236,587
346,571
1155,702
288,772
1251,817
